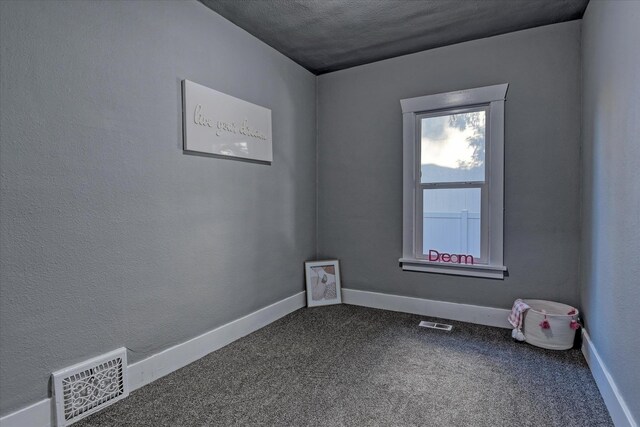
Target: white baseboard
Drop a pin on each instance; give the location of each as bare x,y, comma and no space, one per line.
616,405
488,316
41,414
160,364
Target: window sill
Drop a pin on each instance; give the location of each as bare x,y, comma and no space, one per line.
476,270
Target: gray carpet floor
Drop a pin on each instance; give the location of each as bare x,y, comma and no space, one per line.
353,366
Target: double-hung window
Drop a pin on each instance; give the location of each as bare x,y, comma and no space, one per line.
453,197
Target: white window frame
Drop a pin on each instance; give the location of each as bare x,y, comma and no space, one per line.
413,110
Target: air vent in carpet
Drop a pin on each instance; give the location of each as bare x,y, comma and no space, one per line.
433,325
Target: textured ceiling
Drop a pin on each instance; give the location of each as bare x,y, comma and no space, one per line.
329,35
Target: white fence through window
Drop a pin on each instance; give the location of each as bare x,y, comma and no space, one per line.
452,232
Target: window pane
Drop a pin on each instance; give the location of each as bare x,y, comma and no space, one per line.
451,221
452,147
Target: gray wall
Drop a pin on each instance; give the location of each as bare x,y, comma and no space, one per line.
611,190
360,165
110,235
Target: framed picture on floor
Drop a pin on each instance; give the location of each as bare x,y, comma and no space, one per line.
323,282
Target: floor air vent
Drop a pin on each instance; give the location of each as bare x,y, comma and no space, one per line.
90,386
433,325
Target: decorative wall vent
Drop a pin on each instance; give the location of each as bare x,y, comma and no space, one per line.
90,386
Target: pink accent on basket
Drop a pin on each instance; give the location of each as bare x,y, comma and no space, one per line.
572,312
545,324
574,325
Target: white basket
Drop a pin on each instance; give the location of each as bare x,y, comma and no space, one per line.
560,335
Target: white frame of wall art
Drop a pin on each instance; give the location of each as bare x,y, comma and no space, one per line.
221,125
314,290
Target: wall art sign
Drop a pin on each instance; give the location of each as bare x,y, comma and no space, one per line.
453,258
219,124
